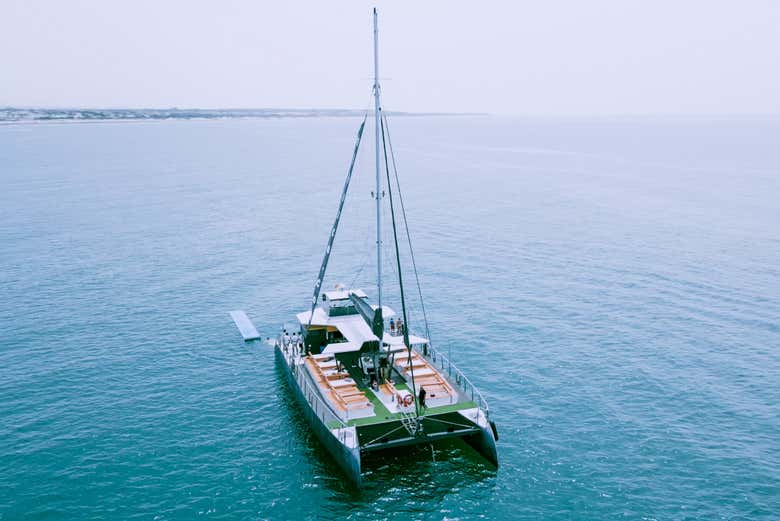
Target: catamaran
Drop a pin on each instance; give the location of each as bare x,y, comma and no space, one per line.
364,386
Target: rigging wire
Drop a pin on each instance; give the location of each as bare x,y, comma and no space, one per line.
408,236
367,234
366,259
351,210
334,229
405,328
355,212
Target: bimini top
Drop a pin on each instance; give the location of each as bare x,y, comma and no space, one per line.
391,341
355,330
352,327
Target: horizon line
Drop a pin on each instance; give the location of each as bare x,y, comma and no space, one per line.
356,112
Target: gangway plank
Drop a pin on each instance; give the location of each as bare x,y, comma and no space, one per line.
244,325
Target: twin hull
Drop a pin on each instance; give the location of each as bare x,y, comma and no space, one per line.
347,451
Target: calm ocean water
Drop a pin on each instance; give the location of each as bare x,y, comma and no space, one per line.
612,286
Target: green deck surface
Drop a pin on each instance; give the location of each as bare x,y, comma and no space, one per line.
380,410
383,415
449,408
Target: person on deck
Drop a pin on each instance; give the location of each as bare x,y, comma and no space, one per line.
421,397
392,327
400,326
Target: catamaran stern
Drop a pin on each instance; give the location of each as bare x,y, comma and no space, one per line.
483,441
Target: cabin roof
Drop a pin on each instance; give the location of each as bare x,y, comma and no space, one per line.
355,330
320,317
353,327
338,294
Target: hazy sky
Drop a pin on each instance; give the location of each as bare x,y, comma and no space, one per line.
542,57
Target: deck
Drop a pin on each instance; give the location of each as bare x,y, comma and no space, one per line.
337,386
345,390
330,387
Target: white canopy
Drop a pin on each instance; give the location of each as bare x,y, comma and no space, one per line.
352,327
341,347
356,331
396,340
320,318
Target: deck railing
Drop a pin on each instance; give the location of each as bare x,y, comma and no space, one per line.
320,408
457,376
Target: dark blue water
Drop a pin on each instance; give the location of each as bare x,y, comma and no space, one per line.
612,286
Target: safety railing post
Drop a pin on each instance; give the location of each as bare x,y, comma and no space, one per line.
463,383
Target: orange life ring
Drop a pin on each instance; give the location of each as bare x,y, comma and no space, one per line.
408,400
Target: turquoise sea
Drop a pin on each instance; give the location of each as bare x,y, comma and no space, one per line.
611,285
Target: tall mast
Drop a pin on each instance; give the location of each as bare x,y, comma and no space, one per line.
378,193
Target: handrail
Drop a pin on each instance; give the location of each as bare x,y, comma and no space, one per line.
320,408
460,379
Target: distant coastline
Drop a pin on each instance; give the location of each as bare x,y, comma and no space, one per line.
21,115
